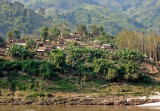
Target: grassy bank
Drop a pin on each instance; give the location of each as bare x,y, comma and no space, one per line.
22,84
78,69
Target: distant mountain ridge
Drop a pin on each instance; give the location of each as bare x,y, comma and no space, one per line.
114,15
15,16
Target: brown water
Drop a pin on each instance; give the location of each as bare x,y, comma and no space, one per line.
77,108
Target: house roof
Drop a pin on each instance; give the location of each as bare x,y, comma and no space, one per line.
8,44
96,46
37,39
20,41
106,45
71,34
82,43
23,44
39,50
2,50
42,48
39,42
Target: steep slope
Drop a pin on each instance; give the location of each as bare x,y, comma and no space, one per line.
83,11
144,14
112,22
64,4
14,15
147,13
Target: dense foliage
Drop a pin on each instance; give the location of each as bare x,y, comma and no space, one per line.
20,52
86,63
119,65
141,14
147,44
145,12
31,44
83,12
15,16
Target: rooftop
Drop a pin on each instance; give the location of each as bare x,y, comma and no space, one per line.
107,45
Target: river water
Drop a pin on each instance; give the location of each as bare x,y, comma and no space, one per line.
77,108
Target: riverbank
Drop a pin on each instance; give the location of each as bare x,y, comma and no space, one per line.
79,99
36,82
69,92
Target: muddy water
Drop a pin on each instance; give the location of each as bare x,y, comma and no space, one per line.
77,108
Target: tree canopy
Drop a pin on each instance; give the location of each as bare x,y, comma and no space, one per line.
15,16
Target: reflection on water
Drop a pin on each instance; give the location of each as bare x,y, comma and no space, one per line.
152,108
77,108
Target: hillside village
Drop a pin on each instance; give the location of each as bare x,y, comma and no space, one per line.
42,47
79,52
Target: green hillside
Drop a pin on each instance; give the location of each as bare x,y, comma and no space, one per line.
112,22
15,16
83,12
145,12
112,14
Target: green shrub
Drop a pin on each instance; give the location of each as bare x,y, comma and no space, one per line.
112,74
20,52
145,78
131,77
34,95
87,63
46,70
57,58
12,65
31,67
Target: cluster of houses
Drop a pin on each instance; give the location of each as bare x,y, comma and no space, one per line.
3,49
42,48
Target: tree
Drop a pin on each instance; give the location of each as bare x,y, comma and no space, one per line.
57,58
44,33
31,44
112,74
18,51
17,33
101,67
82,30
101,29
147,44
9,35
105,39
2,42
46,70
41,11
16,16
63,28
94,29
53,34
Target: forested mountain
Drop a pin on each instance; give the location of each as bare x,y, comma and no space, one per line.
15,16
112,14
146,12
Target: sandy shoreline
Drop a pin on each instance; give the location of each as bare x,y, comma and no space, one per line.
83,99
